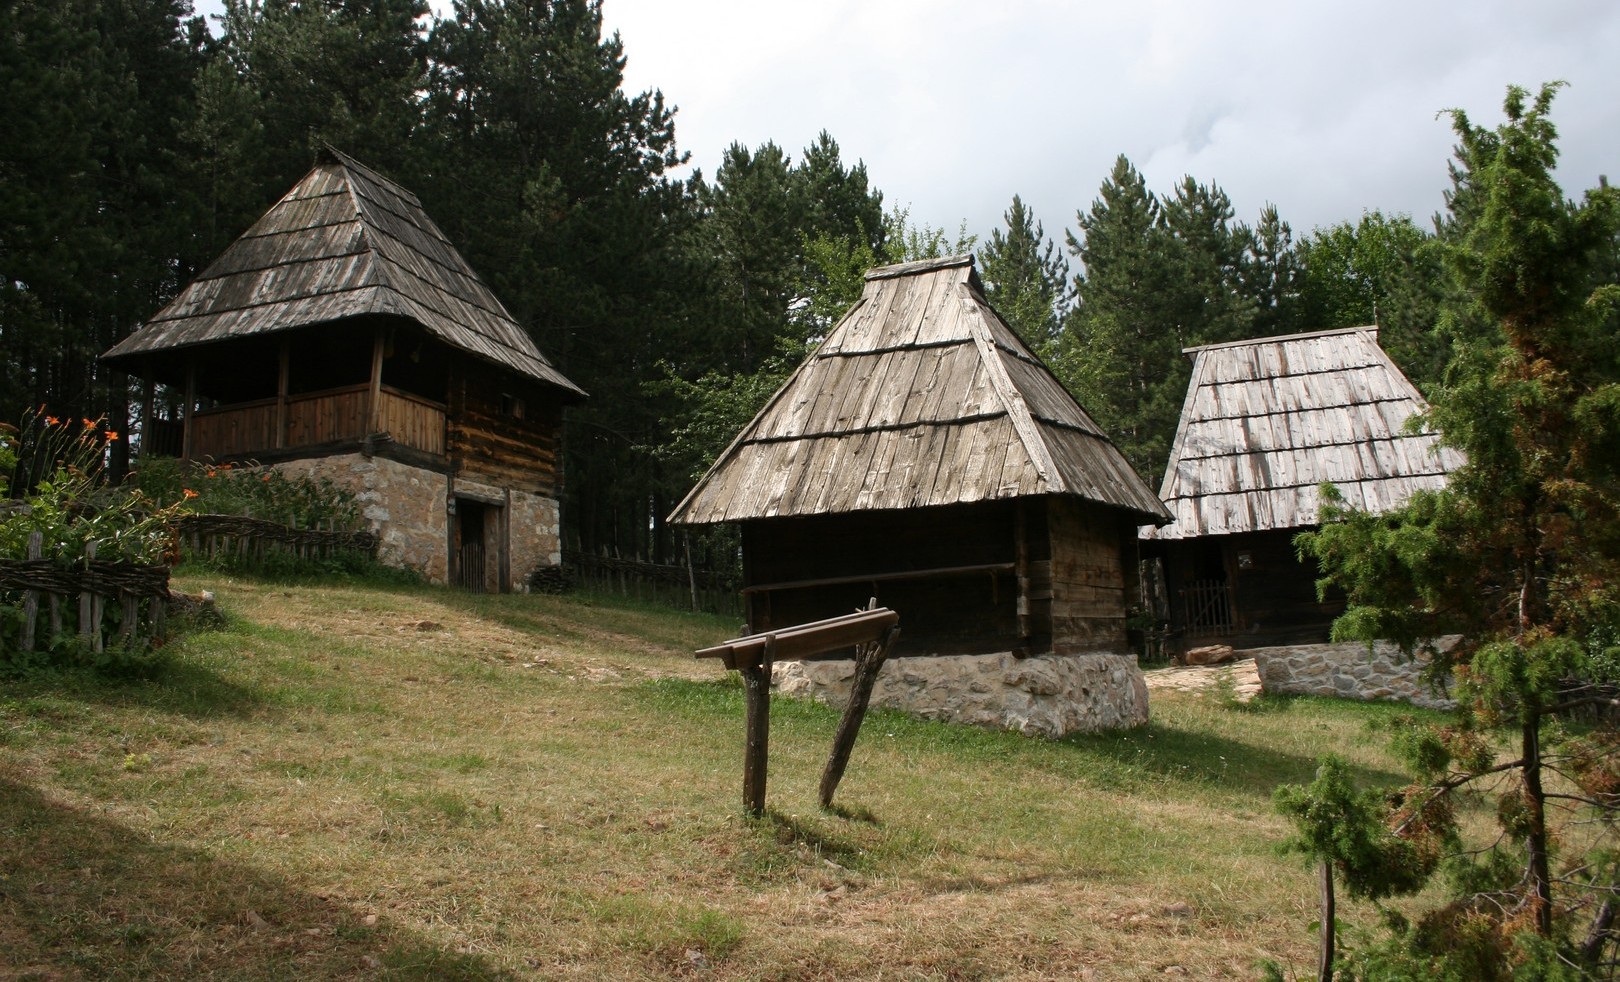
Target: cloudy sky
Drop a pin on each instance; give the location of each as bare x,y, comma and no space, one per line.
1324,109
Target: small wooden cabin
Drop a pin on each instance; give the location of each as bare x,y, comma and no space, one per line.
344,336
1265,424
924,456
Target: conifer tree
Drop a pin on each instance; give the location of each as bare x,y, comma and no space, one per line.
1519,555
1026,279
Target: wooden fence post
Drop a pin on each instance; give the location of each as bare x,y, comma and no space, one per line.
36,541
757,690
90,604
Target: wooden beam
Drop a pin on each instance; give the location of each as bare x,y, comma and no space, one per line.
869,660
805,640
909,574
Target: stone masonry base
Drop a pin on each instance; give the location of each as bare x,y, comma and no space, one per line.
1047,695
1346,670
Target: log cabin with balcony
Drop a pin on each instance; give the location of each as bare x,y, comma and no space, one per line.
343,336
1266,423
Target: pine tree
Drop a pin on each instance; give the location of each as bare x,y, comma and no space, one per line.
95,201
1026,279
1121,352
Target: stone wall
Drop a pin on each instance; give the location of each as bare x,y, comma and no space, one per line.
404,505
536,537
1347,671
1046,695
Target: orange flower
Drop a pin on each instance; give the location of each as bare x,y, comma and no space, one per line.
265,478
210,472
188,493
111,435
51,421
226,467
89,424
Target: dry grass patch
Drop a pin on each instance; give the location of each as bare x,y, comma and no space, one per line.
352,782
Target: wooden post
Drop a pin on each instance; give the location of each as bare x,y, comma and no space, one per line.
869,660
757,689
36,542
191,409
374,394
283,383
90,604
148,410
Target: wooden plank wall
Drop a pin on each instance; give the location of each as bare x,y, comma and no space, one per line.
1276,593
325,417
1088,580
960,612
488,445
234,430
412,421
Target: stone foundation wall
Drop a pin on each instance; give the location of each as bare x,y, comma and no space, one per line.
1347,671
1047,695
536,536
404,505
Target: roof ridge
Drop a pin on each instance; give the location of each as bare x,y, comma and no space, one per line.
1273,339
1012,398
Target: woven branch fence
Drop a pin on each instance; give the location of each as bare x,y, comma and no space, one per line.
110,602
253,538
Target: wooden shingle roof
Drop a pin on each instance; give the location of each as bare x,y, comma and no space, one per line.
344,242
920,396
1267,422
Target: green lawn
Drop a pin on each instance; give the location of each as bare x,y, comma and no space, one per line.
368,783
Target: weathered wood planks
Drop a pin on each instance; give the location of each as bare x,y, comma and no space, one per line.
1268,421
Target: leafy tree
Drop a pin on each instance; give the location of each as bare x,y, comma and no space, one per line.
1381,270
1026,278
1519,555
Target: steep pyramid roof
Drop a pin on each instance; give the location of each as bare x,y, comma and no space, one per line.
920,396
1267,422
345,241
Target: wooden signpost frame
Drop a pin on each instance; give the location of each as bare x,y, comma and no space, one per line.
871,632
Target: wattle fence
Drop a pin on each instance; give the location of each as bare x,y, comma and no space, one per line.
107,602
252,539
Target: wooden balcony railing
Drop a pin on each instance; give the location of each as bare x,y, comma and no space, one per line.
248,428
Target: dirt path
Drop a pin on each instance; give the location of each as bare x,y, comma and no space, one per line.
1244,678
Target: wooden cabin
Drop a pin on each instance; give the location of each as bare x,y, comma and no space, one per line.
343,336
1265,424
924,456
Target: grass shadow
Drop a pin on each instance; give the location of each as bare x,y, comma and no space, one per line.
84,896
177,685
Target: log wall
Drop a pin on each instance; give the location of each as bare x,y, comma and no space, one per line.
1089,588
487,443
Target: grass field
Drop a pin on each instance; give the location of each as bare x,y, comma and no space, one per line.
348,782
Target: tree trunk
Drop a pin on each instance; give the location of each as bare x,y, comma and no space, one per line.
1324,961
1536,840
